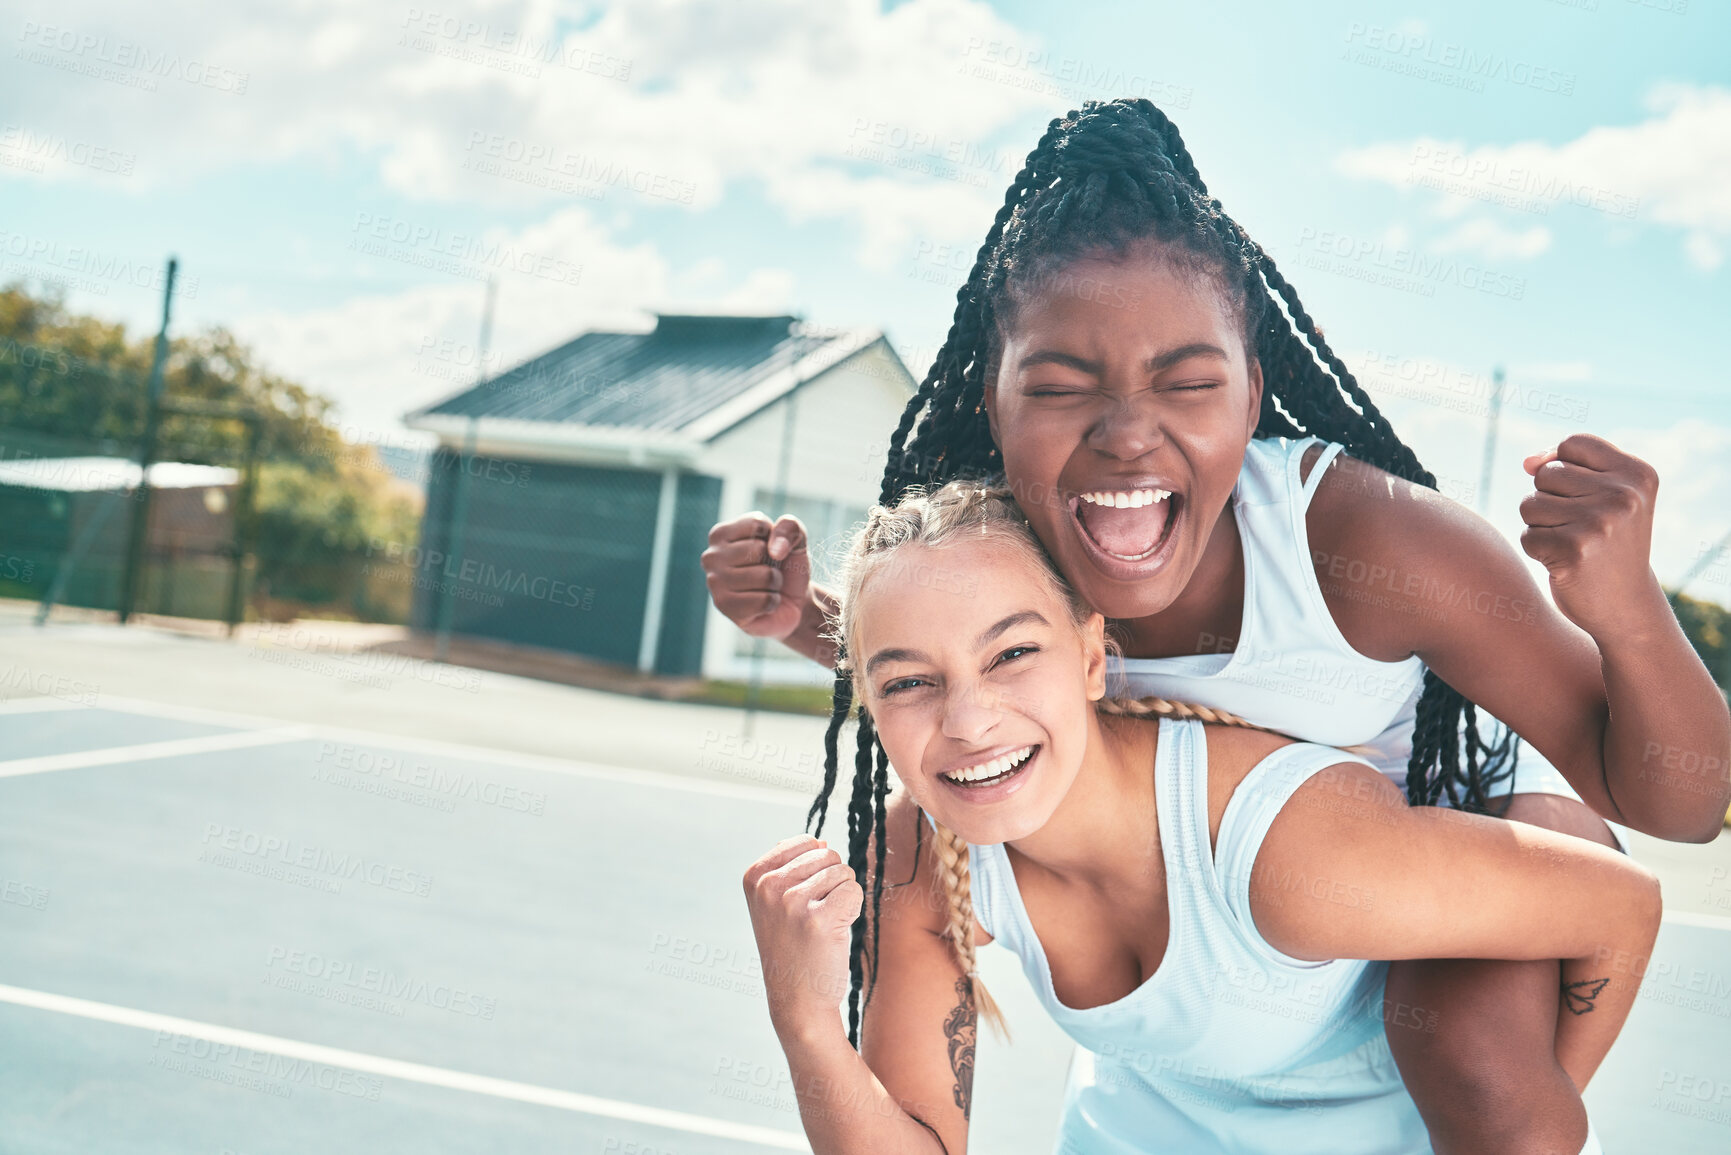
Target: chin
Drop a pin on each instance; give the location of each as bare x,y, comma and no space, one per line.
1125,601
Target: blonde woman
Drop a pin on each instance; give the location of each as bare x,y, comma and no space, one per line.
1192,900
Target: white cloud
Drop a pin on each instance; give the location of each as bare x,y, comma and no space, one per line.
1674,168
1494,240
381,355
837,109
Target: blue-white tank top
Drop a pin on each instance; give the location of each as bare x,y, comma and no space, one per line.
1292,669
1230,1046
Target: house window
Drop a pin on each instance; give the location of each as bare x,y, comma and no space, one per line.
829,527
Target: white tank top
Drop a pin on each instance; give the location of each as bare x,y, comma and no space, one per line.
1230,1046
1292,670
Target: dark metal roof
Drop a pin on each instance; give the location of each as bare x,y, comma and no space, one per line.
661,380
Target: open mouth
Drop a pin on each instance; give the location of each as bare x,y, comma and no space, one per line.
1127,525
993,771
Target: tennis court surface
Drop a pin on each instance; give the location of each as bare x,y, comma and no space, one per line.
239,932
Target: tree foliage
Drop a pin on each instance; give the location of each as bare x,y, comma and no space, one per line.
73,385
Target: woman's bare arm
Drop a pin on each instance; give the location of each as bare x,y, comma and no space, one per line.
759,575
1612,694
909,1088
1392,882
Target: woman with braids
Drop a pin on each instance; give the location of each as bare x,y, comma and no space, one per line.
1206,473
1187,900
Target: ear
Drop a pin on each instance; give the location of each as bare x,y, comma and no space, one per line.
1094,655
1255,368
989,401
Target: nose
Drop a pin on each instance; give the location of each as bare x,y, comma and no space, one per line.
971,713
1126,430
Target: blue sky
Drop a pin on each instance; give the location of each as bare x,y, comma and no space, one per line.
1540,184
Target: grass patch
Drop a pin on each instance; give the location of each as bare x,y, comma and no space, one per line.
784,699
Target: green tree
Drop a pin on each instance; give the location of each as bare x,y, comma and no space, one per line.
79,378
1708,627
75,385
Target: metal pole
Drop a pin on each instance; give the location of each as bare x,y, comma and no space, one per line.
242,523
135,544
660,552
459,508
789,413
486,332
1496,409
454,540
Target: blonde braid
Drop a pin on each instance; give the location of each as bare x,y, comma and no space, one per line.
958,891
1164,708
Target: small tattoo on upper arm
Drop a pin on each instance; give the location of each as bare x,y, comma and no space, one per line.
1578,997
959,1031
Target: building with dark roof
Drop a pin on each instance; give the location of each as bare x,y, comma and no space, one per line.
569,497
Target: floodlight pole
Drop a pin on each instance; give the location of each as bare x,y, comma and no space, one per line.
135,542
1496,409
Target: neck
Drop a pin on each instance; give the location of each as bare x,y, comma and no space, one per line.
1208,612
1105,833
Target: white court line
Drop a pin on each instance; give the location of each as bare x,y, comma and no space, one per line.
443,749
411,1072
143,751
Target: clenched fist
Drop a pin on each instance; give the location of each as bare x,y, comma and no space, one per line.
1590,523
759,573
803,900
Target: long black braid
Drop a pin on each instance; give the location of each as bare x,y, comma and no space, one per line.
1100,181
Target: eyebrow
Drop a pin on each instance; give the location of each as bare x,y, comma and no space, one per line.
1022,618
1155,364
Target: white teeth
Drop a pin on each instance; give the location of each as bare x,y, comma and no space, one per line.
1126,498
999,765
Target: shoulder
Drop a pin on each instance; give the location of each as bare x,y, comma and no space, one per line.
1384,549
1233,751
914,897
1354,495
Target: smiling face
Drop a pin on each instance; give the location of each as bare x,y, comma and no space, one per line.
1122,406
981,690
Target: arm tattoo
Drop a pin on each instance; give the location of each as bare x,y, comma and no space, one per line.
1578,997
959,1030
